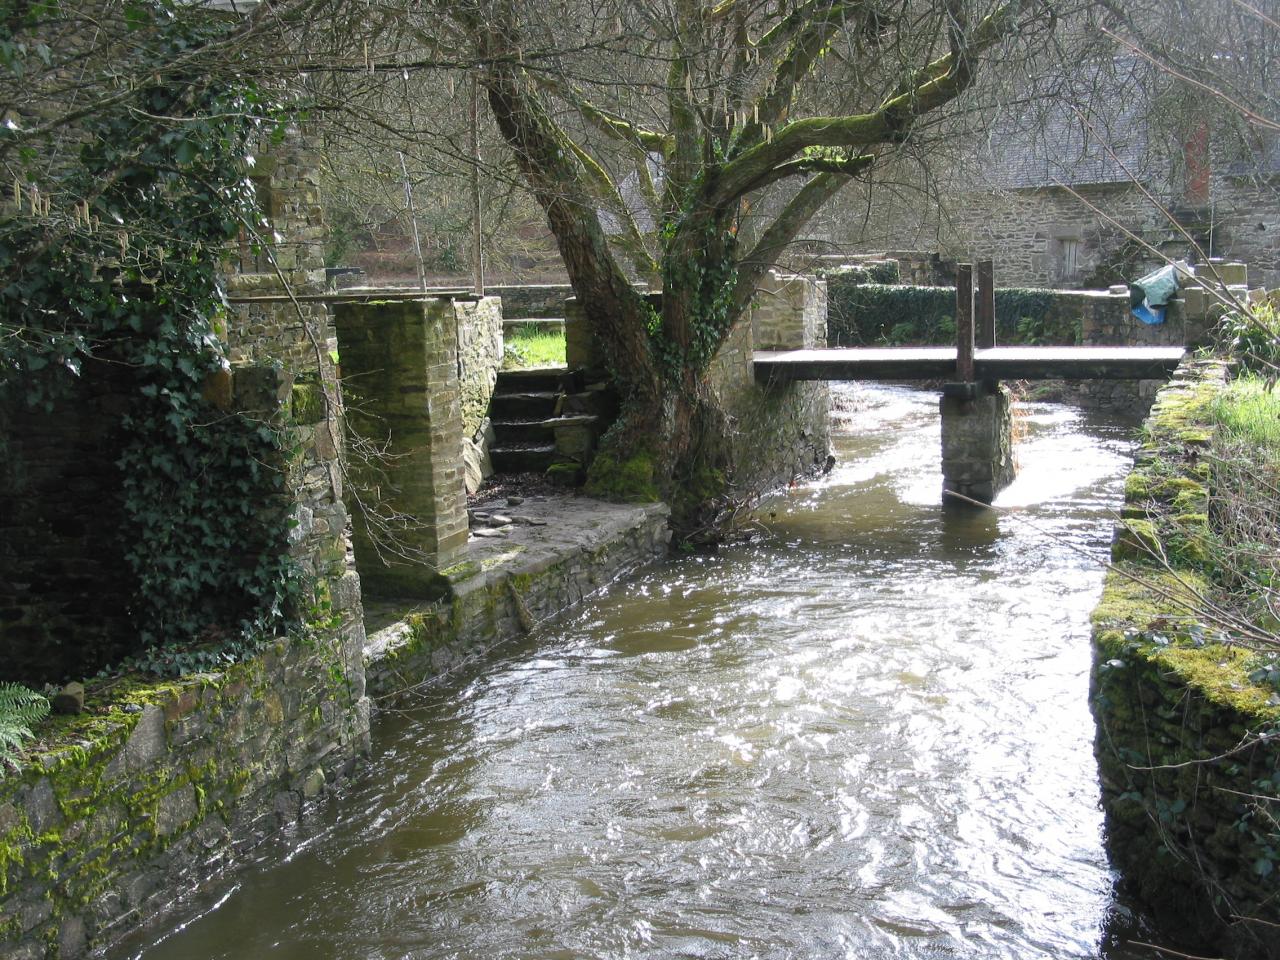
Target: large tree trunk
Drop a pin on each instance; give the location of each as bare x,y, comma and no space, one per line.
669,440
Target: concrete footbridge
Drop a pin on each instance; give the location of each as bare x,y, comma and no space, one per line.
941,363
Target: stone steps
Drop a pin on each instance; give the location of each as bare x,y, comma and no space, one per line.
522,458
525,407
542,418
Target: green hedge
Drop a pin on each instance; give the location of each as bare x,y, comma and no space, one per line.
866,314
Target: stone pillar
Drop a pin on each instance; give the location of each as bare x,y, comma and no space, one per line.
581,352
977,441
400,377
790,312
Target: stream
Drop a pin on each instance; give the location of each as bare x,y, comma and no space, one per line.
864,733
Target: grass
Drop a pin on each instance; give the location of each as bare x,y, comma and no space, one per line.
1244,510
1248,413
530,346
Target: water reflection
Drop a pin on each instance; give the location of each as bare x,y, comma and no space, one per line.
864,736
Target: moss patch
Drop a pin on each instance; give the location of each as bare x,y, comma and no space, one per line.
625,481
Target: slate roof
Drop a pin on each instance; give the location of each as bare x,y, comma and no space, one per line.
1056,135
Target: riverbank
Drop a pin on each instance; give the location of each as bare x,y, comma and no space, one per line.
1188,711
119,814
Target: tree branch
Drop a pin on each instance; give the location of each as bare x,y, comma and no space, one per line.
941,81
793,218
647,141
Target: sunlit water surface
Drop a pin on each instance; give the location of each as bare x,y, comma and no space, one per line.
863,735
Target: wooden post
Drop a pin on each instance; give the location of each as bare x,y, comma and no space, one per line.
477,231
985,332
964,323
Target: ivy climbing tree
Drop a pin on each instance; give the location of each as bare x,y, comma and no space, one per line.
706,135
111,246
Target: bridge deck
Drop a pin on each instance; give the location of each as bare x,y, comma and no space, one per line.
996,363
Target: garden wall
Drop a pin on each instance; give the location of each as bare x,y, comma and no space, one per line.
117,811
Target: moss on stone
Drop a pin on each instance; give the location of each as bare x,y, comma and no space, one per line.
1221,675
1138,486
307,402
1136,539
1136,596
625,481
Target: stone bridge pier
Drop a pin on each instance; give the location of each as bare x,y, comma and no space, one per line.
977,441
977,415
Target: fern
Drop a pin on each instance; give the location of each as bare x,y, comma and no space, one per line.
20,709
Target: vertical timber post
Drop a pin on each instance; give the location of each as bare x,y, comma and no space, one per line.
977,423
477,224
964,323
985,333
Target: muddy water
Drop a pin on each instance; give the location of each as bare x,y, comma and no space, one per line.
863,735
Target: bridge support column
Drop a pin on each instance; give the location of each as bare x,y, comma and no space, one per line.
977,440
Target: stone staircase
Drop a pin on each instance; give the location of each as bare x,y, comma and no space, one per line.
546,421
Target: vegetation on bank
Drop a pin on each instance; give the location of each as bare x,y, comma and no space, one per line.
1186,686
530,345
862,313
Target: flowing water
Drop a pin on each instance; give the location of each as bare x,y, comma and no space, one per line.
865,734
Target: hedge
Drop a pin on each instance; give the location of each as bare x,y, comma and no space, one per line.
865,314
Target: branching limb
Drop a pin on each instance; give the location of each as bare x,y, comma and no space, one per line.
942,81
647,141
793,218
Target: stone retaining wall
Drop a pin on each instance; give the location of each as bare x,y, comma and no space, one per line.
1188,747
778,432
531,300
502,587
127,806
479,357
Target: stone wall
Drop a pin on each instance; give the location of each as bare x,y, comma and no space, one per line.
1178,716
531,300
127,806
479,324
400,372
501,588
1246,221
777,432
159,786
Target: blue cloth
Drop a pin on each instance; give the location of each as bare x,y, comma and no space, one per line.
1148,314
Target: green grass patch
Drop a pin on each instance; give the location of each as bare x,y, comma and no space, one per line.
529,346
1250,413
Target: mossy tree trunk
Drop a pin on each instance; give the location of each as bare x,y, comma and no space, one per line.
730,80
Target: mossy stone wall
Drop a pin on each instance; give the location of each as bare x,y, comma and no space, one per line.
1188,747
158,785
400,373
500,591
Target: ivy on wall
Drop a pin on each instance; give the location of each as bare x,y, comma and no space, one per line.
114,259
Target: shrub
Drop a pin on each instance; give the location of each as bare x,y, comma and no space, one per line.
862,313
20,709
1253,337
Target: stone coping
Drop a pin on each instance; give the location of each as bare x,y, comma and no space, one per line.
545,532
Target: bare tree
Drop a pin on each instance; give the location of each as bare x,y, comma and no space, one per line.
683,121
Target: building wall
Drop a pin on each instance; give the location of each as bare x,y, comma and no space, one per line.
1054,237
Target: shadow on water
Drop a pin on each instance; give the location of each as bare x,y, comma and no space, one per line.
864,735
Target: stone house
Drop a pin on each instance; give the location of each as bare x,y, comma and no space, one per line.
1069,193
